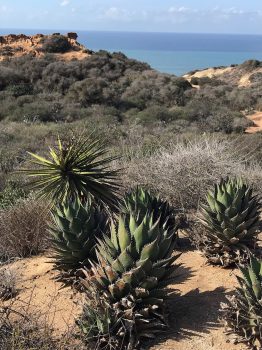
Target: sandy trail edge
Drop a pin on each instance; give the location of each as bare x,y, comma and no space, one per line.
257,119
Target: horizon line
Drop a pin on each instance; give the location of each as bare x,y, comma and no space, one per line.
127,31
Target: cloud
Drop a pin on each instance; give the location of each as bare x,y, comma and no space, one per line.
121,14
180,9
65,3
175,15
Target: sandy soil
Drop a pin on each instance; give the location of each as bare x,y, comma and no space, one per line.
194,309
233,74
194,313
257,119
209,72
40,294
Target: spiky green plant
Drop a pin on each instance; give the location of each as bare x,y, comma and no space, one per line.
101,324
74,232
231,219
134,269
141,202
243,313
75,169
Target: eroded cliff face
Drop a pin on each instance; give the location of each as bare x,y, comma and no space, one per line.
13,45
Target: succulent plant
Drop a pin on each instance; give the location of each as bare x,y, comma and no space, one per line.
141,202
231,220
74,233
75,169
243,313
134,269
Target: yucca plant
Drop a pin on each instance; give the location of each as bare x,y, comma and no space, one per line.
134,269
243,313
74,235
142,201
75,169
231,220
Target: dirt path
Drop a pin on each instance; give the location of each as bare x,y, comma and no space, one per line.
257,119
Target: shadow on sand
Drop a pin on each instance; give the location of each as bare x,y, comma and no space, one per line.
192,314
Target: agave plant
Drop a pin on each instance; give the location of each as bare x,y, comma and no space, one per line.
98,322
75,169
243,313
74,233
231,219
141,202
134,269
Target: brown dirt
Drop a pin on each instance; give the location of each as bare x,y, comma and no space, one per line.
194,313
194,309
257,119
40,293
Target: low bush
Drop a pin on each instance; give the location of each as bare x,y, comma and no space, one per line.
184,172
11,194
23,229
56,44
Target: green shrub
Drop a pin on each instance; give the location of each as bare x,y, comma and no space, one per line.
11,194
56,44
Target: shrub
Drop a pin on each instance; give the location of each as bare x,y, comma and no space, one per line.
23,229
11,194
56,44
183,172
154,114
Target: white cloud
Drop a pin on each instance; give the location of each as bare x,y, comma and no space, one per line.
65,3
180,9
120,14
175,15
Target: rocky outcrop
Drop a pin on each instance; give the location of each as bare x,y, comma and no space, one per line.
16,45
72,36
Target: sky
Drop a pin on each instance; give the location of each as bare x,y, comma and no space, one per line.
193,16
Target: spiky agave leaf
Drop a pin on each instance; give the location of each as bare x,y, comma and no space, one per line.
116,326
243,312
75,169
74,233
231,220
134,269
142,201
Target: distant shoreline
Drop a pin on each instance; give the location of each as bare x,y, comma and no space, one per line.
174,53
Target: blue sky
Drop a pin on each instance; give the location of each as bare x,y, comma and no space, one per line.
208,16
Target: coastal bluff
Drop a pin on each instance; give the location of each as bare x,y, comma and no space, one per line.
63,46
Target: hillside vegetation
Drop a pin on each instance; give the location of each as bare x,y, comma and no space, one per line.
123,159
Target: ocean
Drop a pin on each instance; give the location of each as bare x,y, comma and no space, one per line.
176,53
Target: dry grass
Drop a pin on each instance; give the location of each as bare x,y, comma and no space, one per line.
8,283
23,229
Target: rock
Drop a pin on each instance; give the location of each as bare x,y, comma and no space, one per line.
72,36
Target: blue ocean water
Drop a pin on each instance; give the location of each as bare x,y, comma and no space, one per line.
176,53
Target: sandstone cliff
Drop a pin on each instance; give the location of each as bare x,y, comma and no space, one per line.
63,46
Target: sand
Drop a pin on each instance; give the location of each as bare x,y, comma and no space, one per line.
257,119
